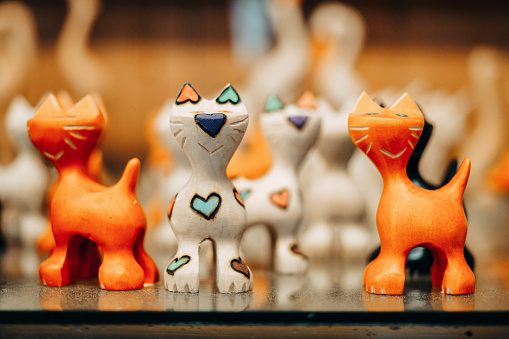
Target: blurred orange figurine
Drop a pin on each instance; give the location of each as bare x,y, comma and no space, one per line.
83,210
409,216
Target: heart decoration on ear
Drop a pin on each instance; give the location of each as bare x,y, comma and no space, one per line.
187,94
273,104
229,94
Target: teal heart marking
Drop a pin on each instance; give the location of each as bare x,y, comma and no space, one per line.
206,208
273,104
177,263
244,194
228,95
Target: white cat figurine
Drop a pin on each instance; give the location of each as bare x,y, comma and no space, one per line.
275,198
208,207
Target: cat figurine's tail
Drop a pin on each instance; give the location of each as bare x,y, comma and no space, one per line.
457,185
129,178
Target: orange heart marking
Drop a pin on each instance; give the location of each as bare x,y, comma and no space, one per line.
280,198
170,206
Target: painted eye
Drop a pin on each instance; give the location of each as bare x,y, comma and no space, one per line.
371,114
402,115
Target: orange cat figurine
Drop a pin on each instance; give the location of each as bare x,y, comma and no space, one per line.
83,210
409,216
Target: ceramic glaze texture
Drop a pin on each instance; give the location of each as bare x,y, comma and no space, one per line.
409,216
208,207
275,199
83,211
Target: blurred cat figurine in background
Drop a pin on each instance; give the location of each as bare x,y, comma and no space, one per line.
275,198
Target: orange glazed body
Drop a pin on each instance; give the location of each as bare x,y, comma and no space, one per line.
409,216
83,211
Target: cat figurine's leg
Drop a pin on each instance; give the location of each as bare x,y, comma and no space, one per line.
438,268
458,277
317,240
120,270
145,261
287,255
182,274
60,268
90,259
232,273
386,274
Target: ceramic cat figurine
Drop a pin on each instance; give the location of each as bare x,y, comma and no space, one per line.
83,211
208,207
275,198
24,181
409,216
327,185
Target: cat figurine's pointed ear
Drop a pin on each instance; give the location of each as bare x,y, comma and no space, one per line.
366,105
85,108
307,100
65,99
187,94
229,94
49,107
273,104
406,105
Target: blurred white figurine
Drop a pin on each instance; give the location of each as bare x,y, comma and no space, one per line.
169,185
80,67
23,184
275,198
340,29
283,70
486,141
208,207
18,54
334,203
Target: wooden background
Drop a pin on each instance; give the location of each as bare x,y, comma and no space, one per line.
151,48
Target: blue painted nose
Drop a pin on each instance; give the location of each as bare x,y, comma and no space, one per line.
298,121
211,123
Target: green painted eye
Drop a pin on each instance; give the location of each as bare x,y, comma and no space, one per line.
371,114
402,115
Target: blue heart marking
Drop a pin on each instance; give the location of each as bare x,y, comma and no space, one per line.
298,121
211,123
206,208
177,263
244,194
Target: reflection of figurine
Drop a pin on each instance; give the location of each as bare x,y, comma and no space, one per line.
208,206
275,199
409,216
329,186
420,259
23,182
84,212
